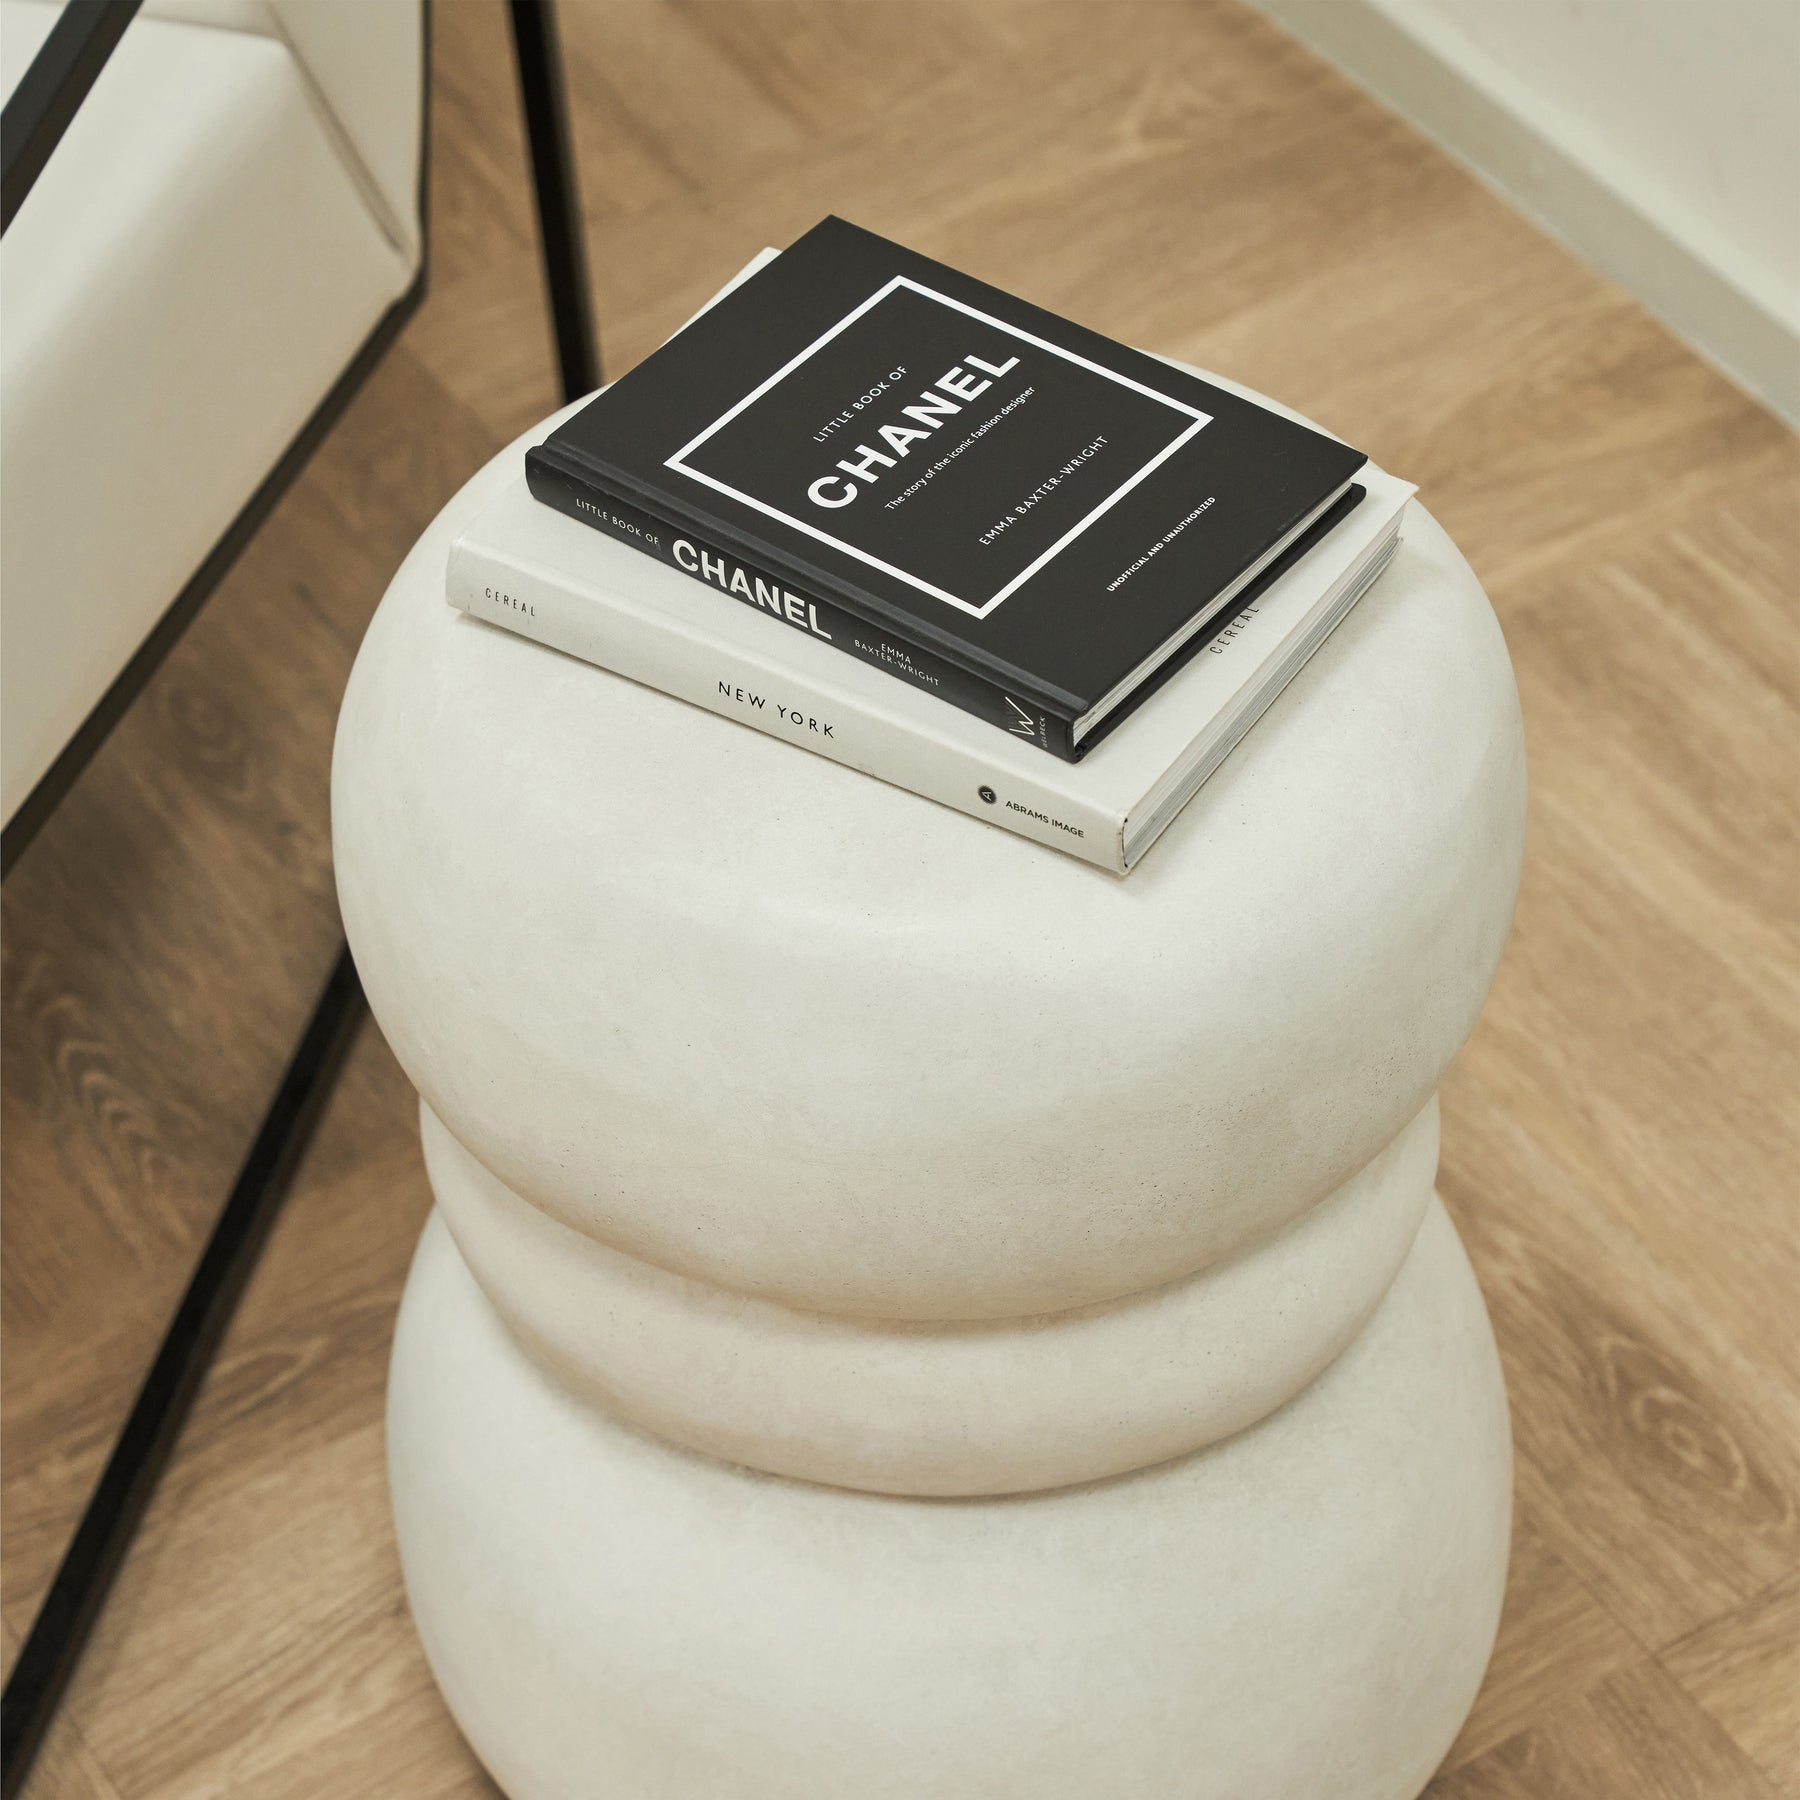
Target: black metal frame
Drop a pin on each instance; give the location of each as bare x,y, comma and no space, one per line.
54,784
110,1519
51,91
537,55
34,119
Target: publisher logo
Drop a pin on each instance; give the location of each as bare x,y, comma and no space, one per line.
988,794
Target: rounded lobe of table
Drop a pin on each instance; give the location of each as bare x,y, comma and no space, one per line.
1304,1609
746,1015
988,1407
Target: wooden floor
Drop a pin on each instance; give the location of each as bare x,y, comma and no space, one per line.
1621,1137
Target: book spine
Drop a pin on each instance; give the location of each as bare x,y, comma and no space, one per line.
802,705
756,587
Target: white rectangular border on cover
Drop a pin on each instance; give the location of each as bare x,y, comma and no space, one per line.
675,462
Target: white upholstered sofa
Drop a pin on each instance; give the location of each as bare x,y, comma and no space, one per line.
230,218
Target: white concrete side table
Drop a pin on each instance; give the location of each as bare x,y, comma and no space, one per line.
908,1315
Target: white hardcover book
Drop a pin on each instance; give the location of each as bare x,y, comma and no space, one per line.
526,567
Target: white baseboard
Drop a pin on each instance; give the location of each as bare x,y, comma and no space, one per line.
1548,165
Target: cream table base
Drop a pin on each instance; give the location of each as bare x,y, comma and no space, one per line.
1303,1610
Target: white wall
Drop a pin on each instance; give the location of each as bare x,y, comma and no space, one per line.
1659,138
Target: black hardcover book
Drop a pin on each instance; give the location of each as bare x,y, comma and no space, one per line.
986,500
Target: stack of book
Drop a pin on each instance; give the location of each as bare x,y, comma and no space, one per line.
935,533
